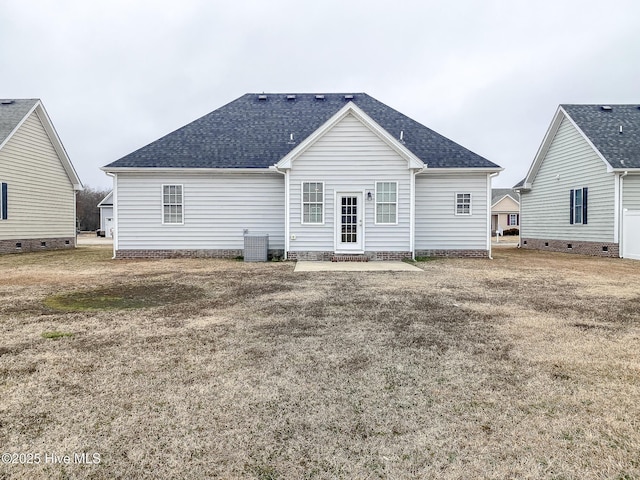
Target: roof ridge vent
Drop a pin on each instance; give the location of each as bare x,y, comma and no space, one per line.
606,108
7,102
319,97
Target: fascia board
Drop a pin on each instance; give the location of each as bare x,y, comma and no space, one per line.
17,127
58,146
502,198
184,170
412,160
544,146
454,170
548,139
597,152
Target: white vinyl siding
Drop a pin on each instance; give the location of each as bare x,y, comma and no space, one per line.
437,225
350,158
40,196
218,208
386,203
569,163
631,192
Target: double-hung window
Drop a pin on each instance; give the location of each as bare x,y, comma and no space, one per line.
172,204
578,206
4,197
387,202
463,204
313,202
512,219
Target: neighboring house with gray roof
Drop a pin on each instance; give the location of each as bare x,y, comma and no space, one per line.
106,216
324,175
38,183
505,209
582,192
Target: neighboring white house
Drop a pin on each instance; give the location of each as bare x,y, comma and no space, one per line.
106,216
582,192
323,175
505,209
38,183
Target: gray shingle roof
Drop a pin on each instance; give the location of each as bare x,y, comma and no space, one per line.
11,114
602,127
254,133
498,193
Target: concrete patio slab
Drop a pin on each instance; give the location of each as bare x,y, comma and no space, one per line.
302,266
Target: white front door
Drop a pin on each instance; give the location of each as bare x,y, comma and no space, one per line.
349,229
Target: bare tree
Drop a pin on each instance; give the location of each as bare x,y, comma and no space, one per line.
87,210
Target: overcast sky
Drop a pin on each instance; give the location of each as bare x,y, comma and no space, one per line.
115,75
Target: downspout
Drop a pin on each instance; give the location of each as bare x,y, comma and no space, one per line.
115,212
286,208
412,214
489,177
620,214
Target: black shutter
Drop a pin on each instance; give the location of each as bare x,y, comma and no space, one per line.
518,219
571,208
3,202
584,205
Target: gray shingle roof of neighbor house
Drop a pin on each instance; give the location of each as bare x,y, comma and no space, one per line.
12,112
499,193
613,129
254,131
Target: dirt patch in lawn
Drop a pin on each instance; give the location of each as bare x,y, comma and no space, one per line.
124,296
522,367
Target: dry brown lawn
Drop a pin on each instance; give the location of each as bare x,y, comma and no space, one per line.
527,366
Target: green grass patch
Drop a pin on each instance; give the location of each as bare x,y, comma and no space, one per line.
123,297
56,335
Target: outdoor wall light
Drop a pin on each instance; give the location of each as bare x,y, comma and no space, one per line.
369,196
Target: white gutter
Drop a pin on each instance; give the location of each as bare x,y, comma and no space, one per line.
274,168
115,212
412,212
620,214
489,177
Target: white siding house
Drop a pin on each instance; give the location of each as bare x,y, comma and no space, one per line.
38,183
585,175
332,176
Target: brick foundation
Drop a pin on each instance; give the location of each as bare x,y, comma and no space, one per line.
453,253
232,253
24,245
596,249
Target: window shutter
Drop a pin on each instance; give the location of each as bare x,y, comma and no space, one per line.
584,205
3,202
508,219
517,219
571,207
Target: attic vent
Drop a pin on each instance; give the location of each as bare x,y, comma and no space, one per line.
262,97
6,102
319,97
348,97
291,97
606,107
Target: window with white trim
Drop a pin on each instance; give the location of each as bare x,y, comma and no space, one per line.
387,202
4,210
463,204
312,202
512,219
578,206
172,204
